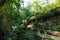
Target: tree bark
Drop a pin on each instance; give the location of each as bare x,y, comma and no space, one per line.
1,29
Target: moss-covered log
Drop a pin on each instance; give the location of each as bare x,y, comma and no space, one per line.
44,16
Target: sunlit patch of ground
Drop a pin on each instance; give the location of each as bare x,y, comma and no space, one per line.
54,37
51,36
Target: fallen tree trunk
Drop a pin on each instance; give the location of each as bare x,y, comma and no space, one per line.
52,13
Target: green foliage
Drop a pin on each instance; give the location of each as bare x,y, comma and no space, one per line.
12,14
56,27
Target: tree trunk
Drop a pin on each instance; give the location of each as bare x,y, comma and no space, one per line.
1,29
